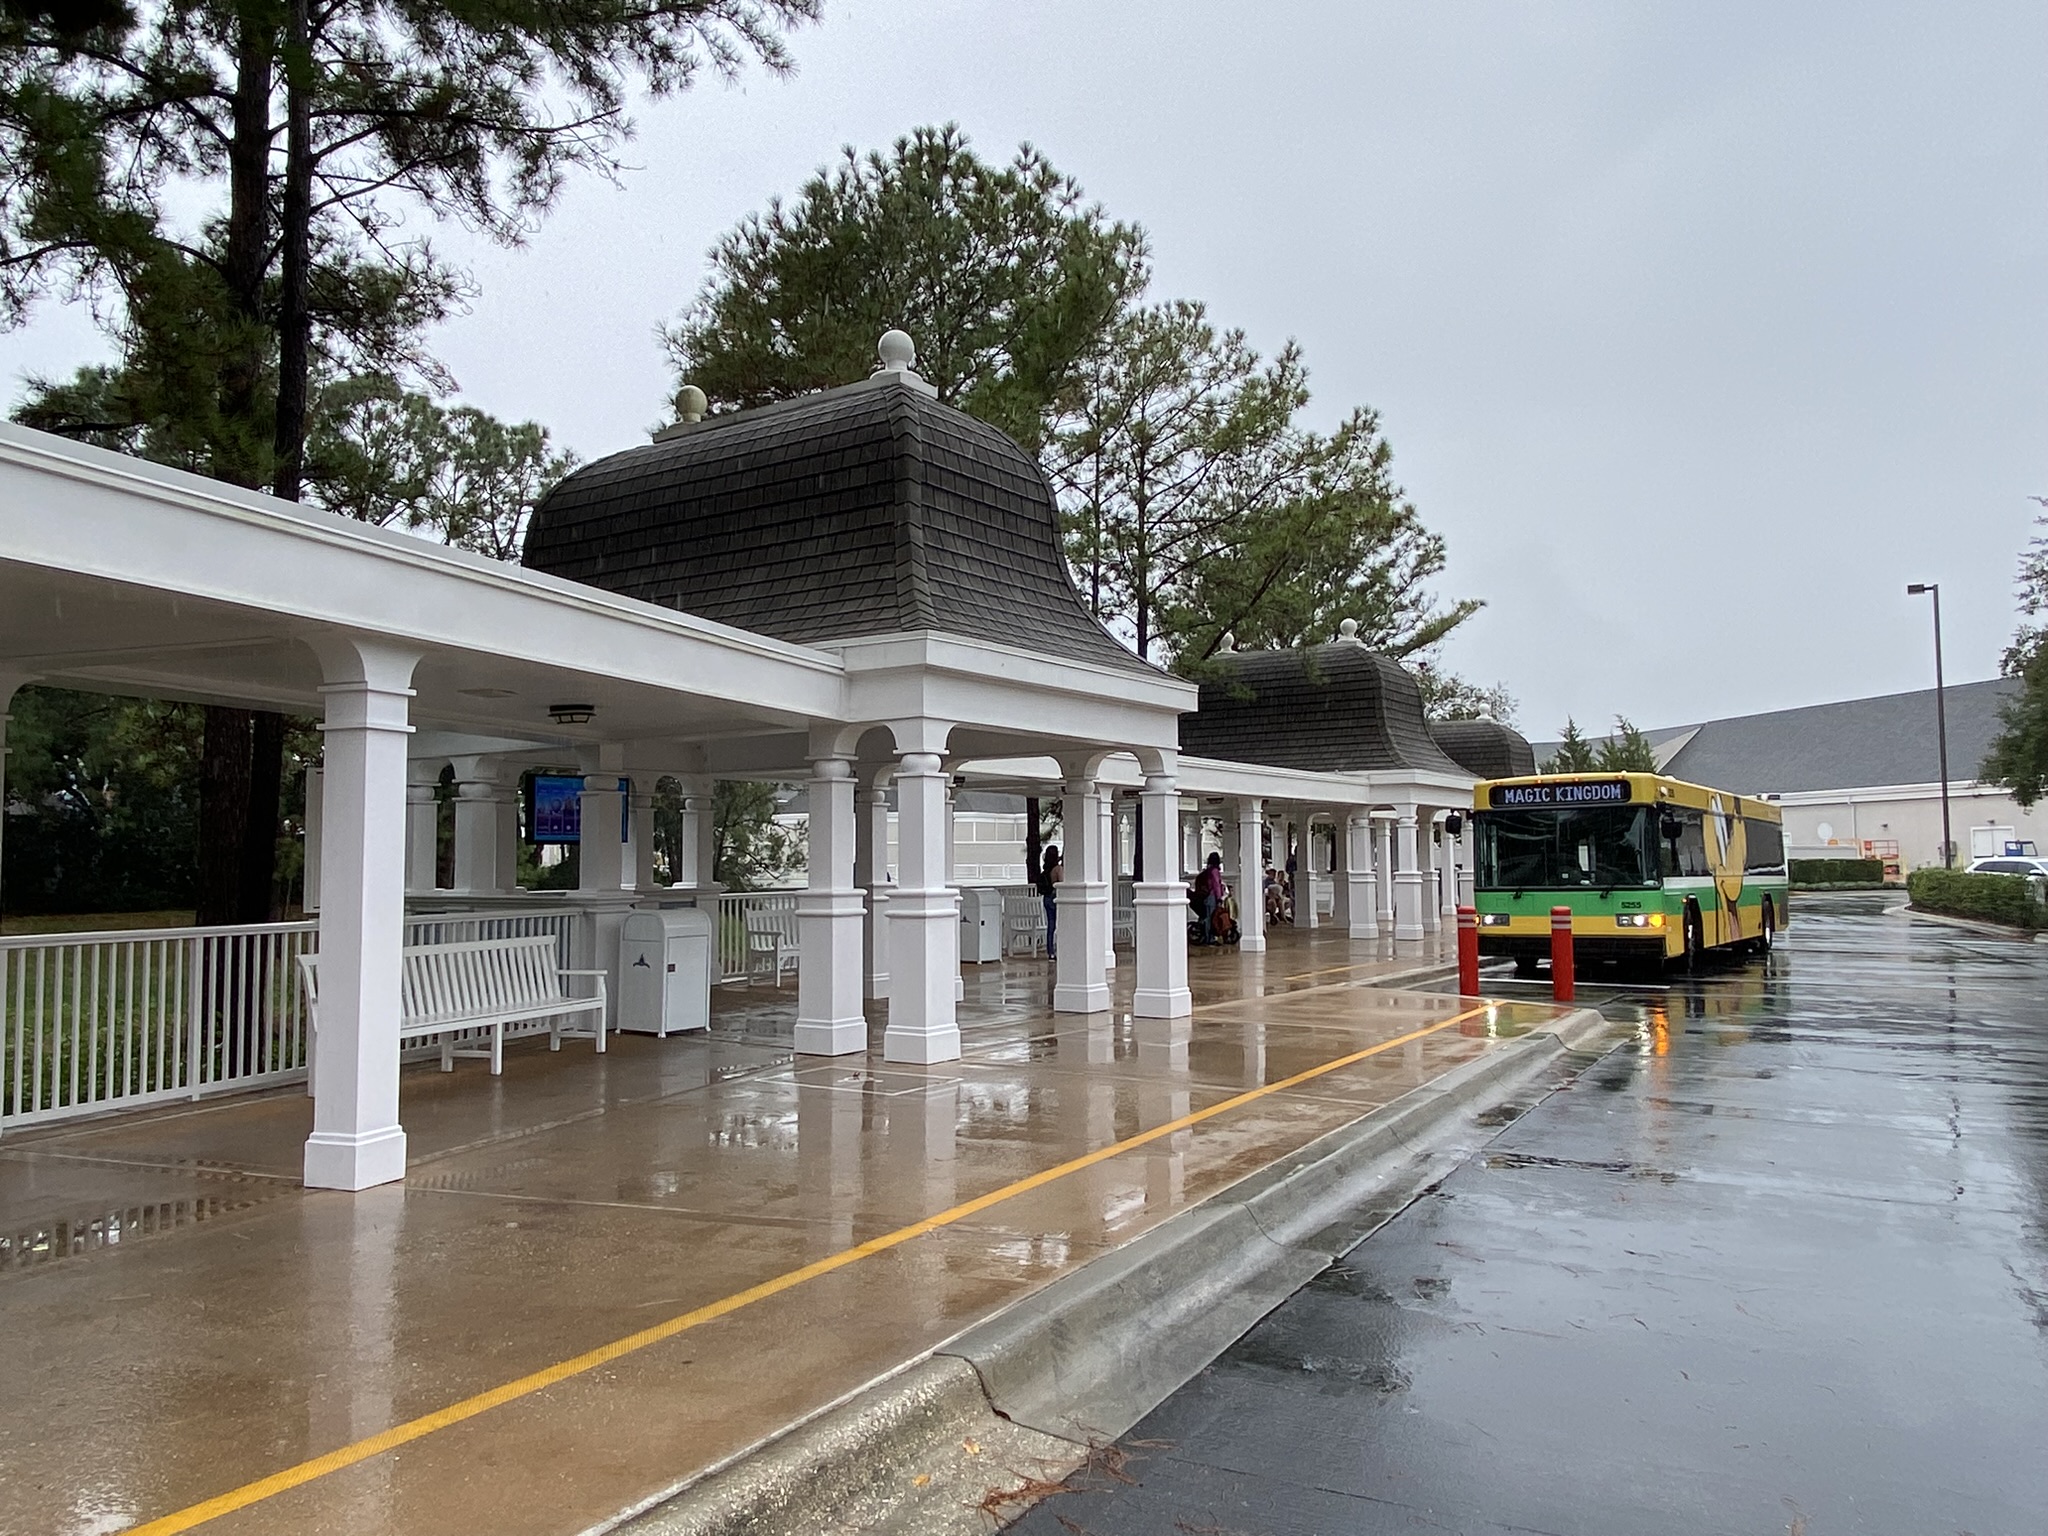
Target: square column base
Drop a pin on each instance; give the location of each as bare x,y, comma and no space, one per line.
355,1159
921,1047
1163,1003
836,1037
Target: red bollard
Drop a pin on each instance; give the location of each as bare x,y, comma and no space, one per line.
1468,952
1561,953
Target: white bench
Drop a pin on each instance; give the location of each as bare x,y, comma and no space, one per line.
771,942
481,984
1023,922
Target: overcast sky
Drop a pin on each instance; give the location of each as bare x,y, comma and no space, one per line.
1699,331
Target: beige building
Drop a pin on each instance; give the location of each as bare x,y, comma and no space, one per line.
1862,778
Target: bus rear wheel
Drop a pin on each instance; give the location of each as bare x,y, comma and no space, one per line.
1695,944
1768,935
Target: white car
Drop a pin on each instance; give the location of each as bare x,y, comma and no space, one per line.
2009,864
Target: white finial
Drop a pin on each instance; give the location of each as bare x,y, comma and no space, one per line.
1228,642
690,403
1347,632
897,351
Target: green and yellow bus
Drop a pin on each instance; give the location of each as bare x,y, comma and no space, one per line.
1653,869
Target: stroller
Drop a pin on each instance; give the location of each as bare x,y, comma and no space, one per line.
1223,927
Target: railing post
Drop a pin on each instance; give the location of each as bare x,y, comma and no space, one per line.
1468,952
1561,954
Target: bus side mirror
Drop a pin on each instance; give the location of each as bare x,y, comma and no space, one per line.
1671,828
1454,824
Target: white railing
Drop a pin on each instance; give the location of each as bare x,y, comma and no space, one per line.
94,1021
733,907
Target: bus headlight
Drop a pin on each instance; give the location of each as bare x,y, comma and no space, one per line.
1493,919
1640,920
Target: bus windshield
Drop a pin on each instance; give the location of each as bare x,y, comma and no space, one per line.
1604,846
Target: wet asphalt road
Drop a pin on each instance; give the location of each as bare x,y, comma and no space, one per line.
1780,1264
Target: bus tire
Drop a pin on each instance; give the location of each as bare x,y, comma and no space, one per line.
1695,942
1525,967
1767,937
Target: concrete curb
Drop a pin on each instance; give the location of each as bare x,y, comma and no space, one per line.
1079,1362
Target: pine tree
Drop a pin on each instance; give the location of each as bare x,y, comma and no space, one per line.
1573,754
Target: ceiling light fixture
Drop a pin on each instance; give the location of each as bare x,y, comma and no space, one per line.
571,714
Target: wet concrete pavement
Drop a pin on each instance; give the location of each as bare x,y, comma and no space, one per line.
179,1320
1779,1264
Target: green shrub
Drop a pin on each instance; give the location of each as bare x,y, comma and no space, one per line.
1836,871
1995,898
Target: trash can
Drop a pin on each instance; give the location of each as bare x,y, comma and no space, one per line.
981,924
665,971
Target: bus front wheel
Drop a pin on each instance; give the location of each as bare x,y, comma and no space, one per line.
1525,967
1695,944
1768,935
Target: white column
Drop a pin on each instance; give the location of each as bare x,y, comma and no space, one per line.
829,1017
1305,877
1429,861
311,867
639,849
870,874
1407,878
10,683
479,830
1080,973
1383,866
601,855
422,826
924,922
705,802
1358,876
1340,872
356,1140
506,812
1108,863
1251,895
1160,903
1191,842
952,878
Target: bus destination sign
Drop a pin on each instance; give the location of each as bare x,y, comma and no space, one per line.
1596,792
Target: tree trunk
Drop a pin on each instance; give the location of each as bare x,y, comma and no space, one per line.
227,762
294,322
256,898
223,813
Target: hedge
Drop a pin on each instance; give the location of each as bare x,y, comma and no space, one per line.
1836,871
2007,899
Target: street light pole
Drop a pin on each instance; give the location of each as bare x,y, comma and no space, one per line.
1933,589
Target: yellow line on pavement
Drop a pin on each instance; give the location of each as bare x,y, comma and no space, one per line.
576,1365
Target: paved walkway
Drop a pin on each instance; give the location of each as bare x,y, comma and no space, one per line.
606,1274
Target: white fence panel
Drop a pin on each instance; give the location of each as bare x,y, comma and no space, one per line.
733,907
96,1021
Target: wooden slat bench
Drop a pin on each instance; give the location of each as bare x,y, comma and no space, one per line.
482,984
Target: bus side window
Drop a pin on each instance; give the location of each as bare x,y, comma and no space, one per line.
1687,856
1766,841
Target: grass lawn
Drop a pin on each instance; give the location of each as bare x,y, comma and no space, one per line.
91,922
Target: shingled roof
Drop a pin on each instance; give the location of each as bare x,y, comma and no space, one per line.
867,510
1337,708
1485,747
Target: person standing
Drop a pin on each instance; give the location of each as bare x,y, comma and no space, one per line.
1209,896
1050,872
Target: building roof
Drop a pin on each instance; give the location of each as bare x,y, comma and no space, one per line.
1485,747
1855,744
867,510
1336,708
